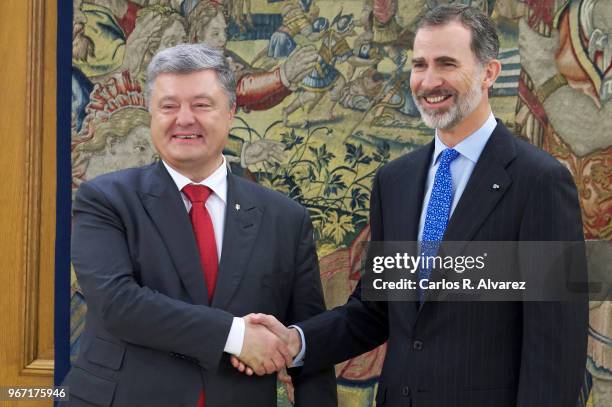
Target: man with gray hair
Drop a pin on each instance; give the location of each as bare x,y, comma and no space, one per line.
474,182
173,257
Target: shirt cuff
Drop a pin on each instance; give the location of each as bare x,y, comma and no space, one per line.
299,358
235,338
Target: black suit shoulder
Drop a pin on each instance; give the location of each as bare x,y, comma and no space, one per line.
534,159
404,168
153,177
138,178
530,167
130,179
524,155
397,166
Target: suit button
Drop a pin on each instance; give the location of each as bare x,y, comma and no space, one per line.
417,345
406,391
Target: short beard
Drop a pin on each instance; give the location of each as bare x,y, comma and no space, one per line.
448,119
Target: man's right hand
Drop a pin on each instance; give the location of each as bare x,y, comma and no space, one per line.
262,350
288,336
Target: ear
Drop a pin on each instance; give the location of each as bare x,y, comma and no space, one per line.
492,70
232,112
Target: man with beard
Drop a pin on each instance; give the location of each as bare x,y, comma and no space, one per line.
474,182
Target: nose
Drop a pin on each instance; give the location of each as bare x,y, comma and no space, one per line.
185,116
430,79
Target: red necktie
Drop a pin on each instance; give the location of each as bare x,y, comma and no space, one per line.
205,238
204,233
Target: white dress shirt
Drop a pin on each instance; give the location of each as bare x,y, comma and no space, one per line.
216,206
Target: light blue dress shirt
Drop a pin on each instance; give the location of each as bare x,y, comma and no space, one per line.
461,168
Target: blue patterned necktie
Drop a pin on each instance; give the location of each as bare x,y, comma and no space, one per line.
438,211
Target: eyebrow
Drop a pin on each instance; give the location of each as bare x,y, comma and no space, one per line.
439,60
203,96
171,98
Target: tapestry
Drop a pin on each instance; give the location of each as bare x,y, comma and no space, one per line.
318,131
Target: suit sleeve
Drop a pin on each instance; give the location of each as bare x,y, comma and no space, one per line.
127,310
353,328
554,333
316,388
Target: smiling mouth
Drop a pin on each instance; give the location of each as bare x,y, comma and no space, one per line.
187,136
432,100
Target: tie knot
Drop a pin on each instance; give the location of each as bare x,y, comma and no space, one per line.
448,155
196,193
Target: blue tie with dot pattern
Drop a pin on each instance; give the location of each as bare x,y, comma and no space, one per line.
438,211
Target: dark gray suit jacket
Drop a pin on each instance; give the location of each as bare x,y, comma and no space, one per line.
151,338
469,354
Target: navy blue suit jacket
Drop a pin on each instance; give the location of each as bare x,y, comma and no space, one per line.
469,354
151,337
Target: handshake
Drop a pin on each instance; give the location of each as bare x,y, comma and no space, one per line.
268,346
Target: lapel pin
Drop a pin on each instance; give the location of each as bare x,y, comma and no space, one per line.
237,207
495,187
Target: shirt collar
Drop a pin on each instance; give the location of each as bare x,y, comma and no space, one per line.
217,181
471,146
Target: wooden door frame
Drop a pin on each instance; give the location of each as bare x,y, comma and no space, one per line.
40,187
28,201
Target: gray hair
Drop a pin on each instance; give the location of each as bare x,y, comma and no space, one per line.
188,58
485,42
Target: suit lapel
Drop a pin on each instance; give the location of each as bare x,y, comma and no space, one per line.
164,204
408,202
486,187
242,222
480,195
411,197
